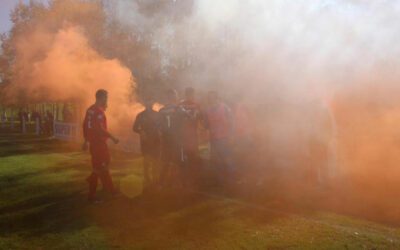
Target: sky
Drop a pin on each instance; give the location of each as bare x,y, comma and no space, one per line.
5,8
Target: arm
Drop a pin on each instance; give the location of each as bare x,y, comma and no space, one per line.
100,129
107,134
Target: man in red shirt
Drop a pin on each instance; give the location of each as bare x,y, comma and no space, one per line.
219,121
96,135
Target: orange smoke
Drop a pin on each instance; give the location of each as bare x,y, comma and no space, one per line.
367,119
71,70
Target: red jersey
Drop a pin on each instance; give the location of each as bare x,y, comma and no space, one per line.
95,125
219,122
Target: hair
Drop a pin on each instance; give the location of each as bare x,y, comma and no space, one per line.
101,93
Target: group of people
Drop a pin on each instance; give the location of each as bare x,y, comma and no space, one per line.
42,127
168,138
43,120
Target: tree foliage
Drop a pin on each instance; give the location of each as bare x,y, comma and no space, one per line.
135,47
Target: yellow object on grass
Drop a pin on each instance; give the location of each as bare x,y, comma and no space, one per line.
131,186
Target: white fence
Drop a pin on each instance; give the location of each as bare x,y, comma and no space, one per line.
67,131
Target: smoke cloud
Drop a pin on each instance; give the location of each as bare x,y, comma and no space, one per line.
71,71
321,77
314,72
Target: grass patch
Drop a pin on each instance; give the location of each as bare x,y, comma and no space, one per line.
43,206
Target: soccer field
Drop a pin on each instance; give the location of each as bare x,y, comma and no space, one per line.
43,206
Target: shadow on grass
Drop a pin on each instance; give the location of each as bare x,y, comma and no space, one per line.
163,220
36,146
49,213
12,179
39,200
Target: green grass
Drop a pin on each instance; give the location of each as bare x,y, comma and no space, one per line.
43,206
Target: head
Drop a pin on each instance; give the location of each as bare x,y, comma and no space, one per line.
189,94
148,104
172,96
213,98
101,98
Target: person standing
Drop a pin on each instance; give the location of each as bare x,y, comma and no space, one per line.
3,119
146,125
96,135
190,140
38,121
49,123
170,125
219,122
23,120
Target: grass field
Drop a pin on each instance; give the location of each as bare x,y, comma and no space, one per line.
43,206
